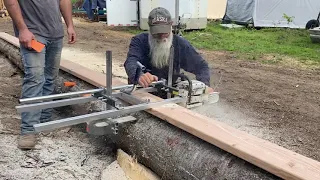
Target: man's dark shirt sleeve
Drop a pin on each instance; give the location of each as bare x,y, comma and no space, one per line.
191,61
134,55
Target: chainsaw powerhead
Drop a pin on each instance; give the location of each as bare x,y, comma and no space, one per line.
199,94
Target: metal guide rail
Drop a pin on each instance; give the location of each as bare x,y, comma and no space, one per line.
104,122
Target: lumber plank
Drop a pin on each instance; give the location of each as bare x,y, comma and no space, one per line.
133,169
10,39
266,155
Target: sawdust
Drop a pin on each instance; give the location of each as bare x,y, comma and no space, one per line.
223,112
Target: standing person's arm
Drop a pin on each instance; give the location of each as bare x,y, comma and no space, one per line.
66,11
25,36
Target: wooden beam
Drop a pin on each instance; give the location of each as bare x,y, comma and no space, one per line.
133,169
266,155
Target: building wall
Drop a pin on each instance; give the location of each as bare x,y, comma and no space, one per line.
216,9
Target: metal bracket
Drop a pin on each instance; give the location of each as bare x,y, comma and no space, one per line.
108,126
101,115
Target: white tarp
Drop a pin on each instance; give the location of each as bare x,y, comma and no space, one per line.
239,11
270,13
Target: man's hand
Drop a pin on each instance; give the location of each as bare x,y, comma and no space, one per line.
25,37
146,79
66,11
71,35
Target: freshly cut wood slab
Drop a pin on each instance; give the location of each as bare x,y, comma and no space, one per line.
133,169
10,39
266,155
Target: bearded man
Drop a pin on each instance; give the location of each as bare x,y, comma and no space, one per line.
152,49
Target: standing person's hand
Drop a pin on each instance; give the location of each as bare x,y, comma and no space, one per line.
146,79
25,37
71,35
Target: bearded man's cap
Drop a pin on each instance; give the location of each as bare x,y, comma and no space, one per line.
159,21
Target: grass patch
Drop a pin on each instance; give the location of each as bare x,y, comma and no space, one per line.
254,44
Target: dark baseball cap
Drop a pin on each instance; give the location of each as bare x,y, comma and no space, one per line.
159,21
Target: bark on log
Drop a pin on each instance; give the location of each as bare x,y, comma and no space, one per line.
167,150
174,154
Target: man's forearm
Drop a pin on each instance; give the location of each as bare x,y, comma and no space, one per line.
15,13
131,66
66,11
204,76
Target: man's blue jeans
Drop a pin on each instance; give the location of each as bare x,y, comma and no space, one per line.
40,72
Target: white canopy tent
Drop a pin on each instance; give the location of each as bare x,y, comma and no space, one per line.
272,13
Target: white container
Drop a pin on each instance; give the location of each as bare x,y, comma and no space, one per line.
192,12
127,13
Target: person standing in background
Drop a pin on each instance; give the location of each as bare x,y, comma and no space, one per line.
40,21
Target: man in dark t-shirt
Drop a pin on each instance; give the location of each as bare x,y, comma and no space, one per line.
39,20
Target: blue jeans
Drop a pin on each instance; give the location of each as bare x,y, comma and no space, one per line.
40,72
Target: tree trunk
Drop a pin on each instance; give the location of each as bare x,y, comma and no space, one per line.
167,150
175,154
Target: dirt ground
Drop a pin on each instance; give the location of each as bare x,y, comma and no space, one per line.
277,103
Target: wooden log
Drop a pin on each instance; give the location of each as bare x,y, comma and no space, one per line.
174,154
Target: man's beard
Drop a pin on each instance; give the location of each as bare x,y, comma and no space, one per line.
160,51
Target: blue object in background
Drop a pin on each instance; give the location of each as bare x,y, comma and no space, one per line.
93,5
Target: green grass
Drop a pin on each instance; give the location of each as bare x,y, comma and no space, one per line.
255,44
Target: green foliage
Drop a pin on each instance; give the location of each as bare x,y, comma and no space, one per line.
256,43
288,18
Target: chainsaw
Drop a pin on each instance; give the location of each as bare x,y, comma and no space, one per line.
195,92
